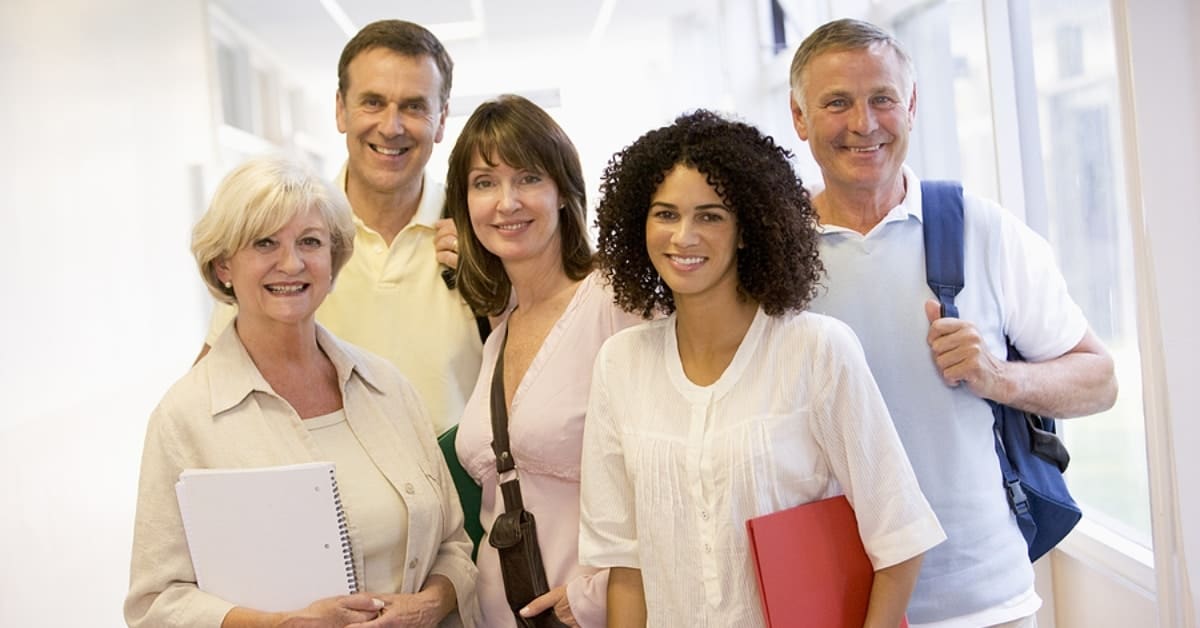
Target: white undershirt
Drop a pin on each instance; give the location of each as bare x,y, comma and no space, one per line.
377,516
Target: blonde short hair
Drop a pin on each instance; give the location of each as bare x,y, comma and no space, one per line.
257,199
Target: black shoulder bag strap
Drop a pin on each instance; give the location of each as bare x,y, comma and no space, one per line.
514,533
504,460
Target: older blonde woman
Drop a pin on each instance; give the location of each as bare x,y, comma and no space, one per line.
279,389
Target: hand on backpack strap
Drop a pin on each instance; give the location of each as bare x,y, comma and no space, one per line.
962,357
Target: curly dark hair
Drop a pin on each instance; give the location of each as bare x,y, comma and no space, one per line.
778,267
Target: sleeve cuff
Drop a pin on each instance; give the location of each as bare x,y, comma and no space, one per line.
588,597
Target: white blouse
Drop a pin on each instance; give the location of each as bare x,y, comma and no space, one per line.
672,470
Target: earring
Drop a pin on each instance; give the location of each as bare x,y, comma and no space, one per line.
229,285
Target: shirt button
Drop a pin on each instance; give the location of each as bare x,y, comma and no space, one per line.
708,548
408,488
412,564
378,249
704,515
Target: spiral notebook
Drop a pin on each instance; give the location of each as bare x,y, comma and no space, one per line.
267,538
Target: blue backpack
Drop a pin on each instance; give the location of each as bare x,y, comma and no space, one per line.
1032,457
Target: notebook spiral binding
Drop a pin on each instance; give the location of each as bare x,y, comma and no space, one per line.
344,535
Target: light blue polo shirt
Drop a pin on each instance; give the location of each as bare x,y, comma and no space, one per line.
876,284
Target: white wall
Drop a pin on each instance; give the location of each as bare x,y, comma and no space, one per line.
106,111
1164,69
1083,597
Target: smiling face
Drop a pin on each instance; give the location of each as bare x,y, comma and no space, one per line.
282,277
692,237
514,212
857,113
392,114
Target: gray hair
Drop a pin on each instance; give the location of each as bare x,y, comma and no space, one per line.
846,34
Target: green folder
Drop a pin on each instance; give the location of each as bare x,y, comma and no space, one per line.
469,492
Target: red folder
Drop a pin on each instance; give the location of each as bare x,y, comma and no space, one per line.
811,566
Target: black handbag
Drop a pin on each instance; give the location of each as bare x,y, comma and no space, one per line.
514,534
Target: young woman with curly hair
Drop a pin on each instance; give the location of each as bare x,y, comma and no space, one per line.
739,403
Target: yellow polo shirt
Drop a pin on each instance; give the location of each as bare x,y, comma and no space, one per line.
392,301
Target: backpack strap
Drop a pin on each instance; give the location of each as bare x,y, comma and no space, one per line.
942,224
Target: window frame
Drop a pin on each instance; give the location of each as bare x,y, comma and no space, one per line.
1171,589
1022,190
1019,159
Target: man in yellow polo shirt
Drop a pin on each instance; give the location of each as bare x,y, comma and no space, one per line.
393,96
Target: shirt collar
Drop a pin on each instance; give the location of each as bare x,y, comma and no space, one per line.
910,205
233,376
429,208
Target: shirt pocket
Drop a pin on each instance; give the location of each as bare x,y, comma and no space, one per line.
786,466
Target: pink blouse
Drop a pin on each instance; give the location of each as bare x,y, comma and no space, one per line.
546,436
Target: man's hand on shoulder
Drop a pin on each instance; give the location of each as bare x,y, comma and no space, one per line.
445,243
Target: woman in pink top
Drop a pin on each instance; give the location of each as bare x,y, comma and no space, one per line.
515,190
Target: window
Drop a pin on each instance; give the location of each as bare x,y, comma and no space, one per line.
1087,222
231,74
263,109
953,137
1054,63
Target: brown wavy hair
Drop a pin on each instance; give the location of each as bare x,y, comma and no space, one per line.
519,133
778,267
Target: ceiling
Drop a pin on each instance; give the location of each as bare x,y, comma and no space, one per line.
306,36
